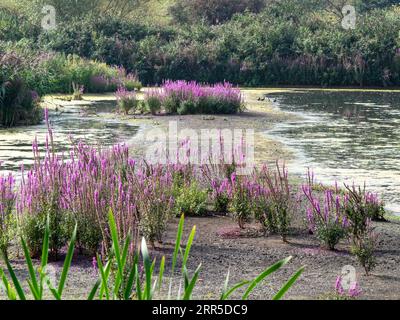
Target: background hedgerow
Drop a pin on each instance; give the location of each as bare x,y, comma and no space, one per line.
251,43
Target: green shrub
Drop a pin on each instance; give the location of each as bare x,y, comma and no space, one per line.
364,249
330,233
275,208
241,202
191,200
132,83
154,104
126,100
33,228
187,107
171,104
89,234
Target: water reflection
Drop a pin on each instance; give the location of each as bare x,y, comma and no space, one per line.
346,136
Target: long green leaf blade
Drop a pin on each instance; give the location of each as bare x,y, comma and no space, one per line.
192,284
34,283
147,268
92,293
288,285
131,278
189,246
14,279
67,262
177,244
265,274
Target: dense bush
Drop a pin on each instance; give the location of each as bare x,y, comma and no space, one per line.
213,12
191,201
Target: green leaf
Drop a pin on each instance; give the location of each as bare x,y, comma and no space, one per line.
52,289
115,240
33,284
92,293
288,284
147,268
161,274
67,262
189,246
265,274
177,244
229,292
104,278
45,247
14,279
11,294
131,278
107,275
138,286
192,284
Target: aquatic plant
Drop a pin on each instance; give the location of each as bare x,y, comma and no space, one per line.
374,206
241,201
364,247
279,205
77,91
326,217
7,205
221,193
154,99
126,100
131,82
18,104
185,97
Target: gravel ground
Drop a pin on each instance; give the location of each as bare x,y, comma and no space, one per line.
219,245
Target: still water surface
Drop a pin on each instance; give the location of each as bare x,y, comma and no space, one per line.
345,136
94,124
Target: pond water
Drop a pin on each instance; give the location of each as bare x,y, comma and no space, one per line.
92,123
345,136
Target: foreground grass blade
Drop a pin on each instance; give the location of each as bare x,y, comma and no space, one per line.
67,262
92,293
33,283
45,247
161,273
14,279
11,294
104,279
189,246
148,270
131,278
177,244
288,285
236,287
192,284
115,240
265,274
